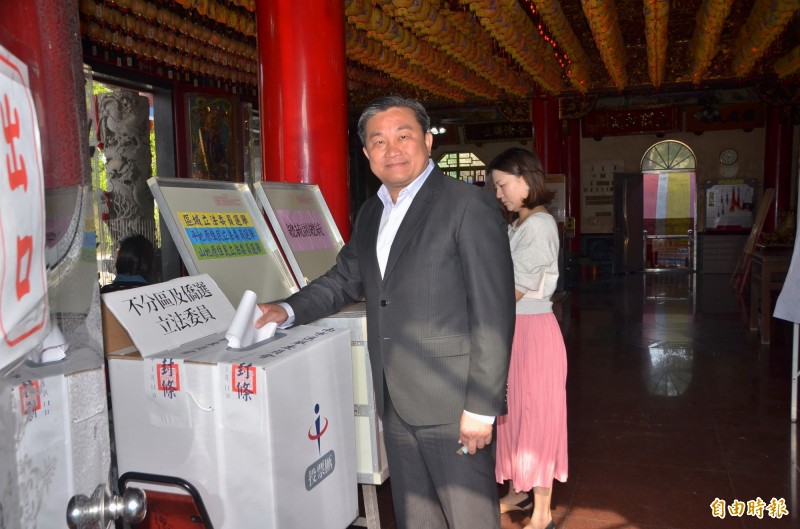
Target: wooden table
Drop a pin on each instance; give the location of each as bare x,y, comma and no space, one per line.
767,273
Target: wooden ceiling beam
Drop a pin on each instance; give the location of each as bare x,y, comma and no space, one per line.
656,22
578,70
512,29
602,18
711,16
767,20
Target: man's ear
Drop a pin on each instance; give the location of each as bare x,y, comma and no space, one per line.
429,141
365,152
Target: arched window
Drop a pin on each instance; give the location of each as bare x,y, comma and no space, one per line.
463,166
669,206
668,155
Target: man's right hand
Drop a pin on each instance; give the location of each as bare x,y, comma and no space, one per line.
271,312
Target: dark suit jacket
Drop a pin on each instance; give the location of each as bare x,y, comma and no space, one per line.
441,321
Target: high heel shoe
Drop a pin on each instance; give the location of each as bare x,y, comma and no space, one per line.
523,505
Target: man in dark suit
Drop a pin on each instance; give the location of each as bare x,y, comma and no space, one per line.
431,256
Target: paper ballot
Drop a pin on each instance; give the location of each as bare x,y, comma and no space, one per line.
242,331
54,347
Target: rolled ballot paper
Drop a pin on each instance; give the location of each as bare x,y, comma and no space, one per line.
242,331
54,347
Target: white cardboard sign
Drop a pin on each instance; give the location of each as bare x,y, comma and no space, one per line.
164,316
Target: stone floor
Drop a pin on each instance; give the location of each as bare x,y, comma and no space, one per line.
673,403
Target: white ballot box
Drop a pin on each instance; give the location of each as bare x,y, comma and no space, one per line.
54,439
265,433
371,463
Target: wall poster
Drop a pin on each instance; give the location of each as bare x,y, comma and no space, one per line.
729,205
597,195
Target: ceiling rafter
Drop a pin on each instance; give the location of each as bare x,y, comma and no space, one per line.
453,38
511,28
656,22
558,25
767,20
396,38
789,64
602,17
371,53
711,16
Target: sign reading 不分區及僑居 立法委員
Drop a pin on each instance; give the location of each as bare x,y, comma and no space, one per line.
167,315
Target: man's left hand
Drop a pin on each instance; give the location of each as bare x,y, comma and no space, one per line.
475,434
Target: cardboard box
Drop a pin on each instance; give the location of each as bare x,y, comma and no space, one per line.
266,434
115,337
371,462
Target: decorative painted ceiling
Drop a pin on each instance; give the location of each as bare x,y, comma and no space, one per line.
474,53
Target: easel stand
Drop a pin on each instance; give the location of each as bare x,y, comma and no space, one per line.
742,270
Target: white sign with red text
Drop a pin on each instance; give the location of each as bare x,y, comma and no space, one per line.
23,277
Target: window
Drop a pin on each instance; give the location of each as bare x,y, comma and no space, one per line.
666,155
463,166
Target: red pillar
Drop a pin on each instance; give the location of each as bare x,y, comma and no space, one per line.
571,167
303,97
778,163
546,138
44,35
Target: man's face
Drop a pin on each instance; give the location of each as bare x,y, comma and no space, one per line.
397,148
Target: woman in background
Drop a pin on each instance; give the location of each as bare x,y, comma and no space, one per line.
135,265
532,437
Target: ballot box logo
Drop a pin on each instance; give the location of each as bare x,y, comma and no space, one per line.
168,377
316,431
324,466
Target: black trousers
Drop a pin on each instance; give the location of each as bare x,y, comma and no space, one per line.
432,487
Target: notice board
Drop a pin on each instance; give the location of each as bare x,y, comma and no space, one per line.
303,225
219,230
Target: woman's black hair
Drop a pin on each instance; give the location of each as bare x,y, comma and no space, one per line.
136,256
525,164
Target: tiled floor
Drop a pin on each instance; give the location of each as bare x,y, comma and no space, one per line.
673,403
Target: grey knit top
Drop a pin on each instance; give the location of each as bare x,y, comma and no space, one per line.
534,249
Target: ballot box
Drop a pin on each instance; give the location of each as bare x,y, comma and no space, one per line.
371,463
54,437
265,433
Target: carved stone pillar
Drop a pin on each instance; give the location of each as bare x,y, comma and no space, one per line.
124,120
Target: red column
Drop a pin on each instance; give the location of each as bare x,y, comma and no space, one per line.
571,167
44,35
303,97
778,163
546,138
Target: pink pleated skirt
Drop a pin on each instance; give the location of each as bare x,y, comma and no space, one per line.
532,437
